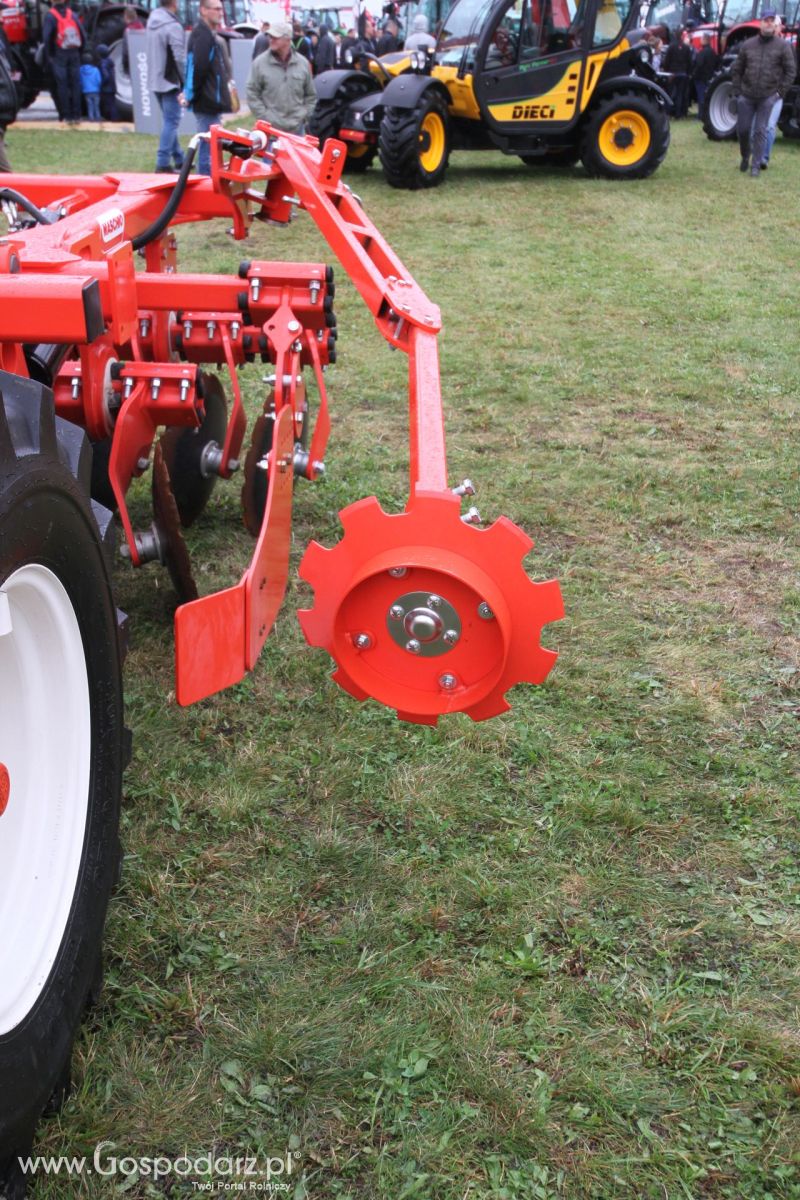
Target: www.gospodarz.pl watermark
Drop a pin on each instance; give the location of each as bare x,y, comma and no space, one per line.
207,1172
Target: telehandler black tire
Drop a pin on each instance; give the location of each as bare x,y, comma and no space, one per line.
626,136
718,113
414,143
62,752
326,121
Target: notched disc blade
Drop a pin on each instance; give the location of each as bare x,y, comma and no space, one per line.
183,452
168,526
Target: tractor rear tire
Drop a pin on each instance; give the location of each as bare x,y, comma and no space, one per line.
718,113
326,121
62,752
625,137
414,143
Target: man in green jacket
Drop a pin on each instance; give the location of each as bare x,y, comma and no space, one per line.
280,89
763,73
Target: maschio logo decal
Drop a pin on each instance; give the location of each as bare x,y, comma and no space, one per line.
112,225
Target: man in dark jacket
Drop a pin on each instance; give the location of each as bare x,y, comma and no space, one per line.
166,70
62,35
678,63
705,64
8,100
206,87
325,54
763,73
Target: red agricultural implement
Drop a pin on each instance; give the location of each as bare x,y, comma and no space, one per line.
103,343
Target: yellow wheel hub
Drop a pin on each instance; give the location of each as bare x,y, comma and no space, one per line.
431,142
624,138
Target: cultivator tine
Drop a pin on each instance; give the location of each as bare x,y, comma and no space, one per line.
167,522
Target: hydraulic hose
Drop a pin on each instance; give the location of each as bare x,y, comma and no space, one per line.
168,211
43,217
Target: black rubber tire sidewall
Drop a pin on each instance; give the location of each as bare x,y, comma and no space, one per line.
398,144
45,519
712,131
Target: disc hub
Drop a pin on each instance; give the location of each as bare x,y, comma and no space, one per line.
423,623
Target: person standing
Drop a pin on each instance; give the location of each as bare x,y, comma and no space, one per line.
9,103
62,36
763,73
325,54
419,38
280,88
166,57
206,86
261,41
678,63
705,64
90,86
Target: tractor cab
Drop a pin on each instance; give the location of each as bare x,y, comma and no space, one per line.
536,59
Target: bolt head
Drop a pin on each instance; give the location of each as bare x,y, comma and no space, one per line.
434,601
484,611
450,636
448,682
397,612
293,326
398,572
413,646
362,641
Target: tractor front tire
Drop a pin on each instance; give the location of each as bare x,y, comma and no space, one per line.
414,143
625,137
62,747
325,123
718,113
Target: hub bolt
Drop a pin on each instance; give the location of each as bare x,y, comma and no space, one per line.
397,612
413,646
362,641
450,636
448,682
398,572
434,601
484,611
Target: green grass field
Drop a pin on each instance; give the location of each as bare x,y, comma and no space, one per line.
551,955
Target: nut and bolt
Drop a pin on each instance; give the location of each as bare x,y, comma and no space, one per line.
255,288
450,636
447,682
155,388
362,641
434,601
397,612
465,488
75,387
211,329
472,517
184,392
144,326
187,329
235,327
293,326
484,611
398,572
314,290
413,646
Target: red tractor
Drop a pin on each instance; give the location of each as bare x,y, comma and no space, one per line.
422,610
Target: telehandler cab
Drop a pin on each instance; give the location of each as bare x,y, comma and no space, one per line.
552,81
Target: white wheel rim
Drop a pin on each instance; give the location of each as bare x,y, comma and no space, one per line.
45,744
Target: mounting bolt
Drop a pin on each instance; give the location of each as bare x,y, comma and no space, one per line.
187,329
75,386
434,601
318,467
142,463
472,517
235,327
314,289
255,287
233,464
155,388
448,682
211,329
484,611
465,488
336,154
413,646
293,326
397,612
450,636
362,641
398,572
184,390
144,326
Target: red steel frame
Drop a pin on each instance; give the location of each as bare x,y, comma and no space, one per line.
138,337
